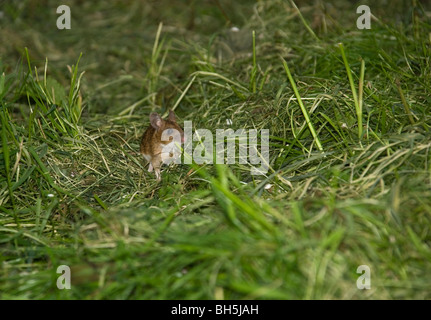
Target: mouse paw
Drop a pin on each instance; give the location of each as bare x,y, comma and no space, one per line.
158,175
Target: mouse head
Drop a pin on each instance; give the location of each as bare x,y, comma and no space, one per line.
168,129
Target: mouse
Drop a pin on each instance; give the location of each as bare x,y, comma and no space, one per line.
161,141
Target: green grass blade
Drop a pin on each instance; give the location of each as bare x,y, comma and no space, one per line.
303,109
6,155
358,107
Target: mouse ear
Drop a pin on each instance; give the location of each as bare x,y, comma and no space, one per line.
155,120
171,116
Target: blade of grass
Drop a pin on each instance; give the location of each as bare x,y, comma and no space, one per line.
404,101
254,69
181,96
361,91
229,209
212,74
353,88
304,22
303,109
6,155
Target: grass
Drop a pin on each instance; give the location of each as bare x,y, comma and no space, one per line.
75,191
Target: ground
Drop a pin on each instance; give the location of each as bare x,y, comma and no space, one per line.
349,179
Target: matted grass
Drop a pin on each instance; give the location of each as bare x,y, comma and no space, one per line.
349,186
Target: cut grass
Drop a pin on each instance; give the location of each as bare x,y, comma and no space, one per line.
74,190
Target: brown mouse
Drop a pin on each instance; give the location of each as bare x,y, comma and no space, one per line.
159,143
